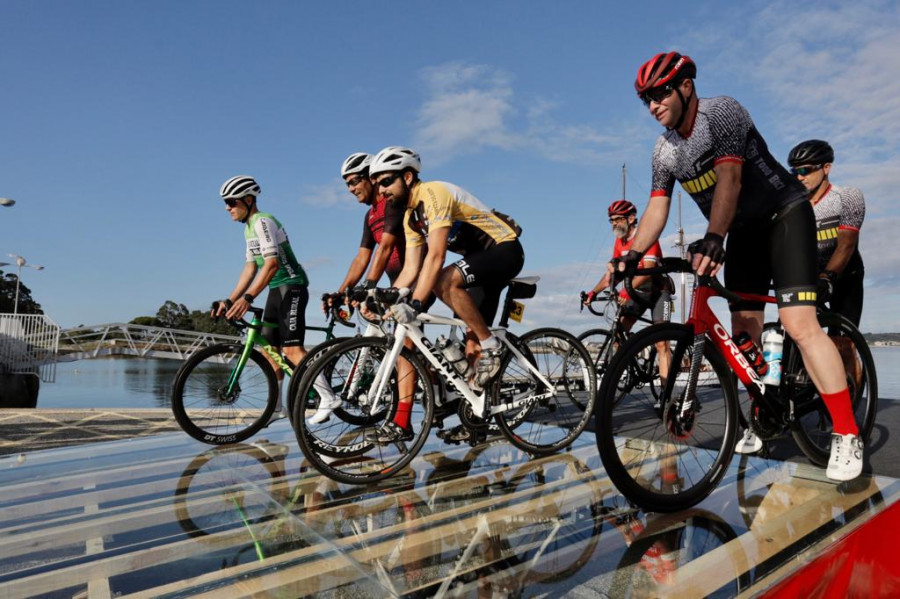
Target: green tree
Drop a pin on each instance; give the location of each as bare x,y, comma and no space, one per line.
27,305
147,321
204,322
174,316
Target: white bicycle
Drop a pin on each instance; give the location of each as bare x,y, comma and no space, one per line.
541,399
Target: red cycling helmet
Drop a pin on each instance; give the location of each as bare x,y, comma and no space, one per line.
662,69
621,208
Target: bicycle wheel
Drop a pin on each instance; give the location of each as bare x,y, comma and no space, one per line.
668,454
597,343
812,427
312,355
211,410
538,418
339,447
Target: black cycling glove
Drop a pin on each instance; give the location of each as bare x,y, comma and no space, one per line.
630,259
825,285
712,246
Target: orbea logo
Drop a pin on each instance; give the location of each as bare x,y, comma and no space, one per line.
739,356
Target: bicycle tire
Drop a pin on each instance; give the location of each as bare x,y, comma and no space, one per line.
316,352
685,459
554,421
596,342
338,448
812,430
206,412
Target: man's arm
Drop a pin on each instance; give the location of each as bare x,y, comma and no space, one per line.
412,264
846,245
651,225
258,285
357,268
433,263
722,212
244,280
382,255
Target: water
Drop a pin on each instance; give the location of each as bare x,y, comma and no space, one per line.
141,383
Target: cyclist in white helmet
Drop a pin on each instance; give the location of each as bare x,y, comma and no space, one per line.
270,263
451,219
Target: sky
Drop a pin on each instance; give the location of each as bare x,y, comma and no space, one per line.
121,119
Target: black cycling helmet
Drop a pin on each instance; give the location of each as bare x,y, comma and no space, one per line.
812,152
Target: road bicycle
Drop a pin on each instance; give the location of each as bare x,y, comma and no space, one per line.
226,393
643,371
533,399
669,454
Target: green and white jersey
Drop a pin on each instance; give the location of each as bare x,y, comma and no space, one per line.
267,239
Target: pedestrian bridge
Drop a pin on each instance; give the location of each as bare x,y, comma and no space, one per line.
124,339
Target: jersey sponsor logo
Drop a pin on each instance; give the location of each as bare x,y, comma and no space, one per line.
739,356
464,267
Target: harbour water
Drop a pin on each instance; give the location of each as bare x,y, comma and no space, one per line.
143,383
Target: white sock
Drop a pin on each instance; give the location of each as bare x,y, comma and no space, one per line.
323,388
490,343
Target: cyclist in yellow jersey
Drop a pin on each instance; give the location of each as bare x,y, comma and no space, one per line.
451,219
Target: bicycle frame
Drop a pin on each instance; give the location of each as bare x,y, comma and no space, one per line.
440,363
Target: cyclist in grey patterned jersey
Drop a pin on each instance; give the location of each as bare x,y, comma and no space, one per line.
713,149
839,216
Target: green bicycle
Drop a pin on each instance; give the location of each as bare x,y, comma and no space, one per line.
226,393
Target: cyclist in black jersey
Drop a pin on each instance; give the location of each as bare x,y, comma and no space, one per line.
713,149
840,212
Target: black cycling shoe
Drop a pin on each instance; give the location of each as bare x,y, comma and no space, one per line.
389,432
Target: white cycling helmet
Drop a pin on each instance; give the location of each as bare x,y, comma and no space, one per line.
395,158
358,162
239,187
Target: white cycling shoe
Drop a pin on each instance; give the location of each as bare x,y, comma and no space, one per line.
327,405
846,462
748,444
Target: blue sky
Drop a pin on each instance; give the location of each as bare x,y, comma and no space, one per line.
121,119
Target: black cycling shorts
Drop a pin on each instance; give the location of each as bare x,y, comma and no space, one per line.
847,296
286,307
782,250
660,312
485,275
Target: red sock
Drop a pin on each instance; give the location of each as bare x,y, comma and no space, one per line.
838,405
401,418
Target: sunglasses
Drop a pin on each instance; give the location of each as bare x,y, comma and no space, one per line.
231,202
389,180
805,170
616,219
355,181
657,94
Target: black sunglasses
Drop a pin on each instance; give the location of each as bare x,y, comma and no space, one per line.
389,180
231,202
805,170
355,181
657,94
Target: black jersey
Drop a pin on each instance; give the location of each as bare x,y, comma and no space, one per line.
723,131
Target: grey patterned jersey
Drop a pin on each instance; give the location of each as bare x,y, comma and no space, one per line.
841,208
724,132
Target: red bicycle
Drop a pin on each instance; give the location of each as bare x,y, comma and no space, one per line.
669,454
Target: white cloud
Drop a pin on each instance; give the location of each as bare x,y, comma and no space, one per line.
469,107
327,196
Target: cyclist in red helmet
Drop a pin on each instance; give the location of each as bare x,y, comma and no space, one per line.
623,218
713,149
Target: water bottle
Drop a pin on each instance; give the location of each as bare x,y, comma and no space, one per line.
453,352
752,352
773,345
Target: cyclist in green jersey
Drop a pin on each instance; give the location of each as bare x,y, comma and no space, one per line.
270,264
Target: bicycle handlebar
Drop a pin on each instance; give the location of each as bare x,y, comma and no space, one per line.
603,296
680,265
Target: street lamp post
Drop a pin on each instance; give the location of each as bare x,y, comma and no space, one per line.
20,262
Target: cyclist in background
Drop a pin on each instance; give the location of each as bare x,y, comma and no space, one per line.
449,218
839,217
713,149
623,218
270,263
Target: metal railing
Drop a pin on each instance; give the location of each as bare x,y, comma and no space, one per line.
133,340
28,345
